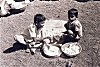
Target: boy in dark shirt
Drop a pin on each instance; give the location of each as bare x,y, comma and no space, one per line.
73,26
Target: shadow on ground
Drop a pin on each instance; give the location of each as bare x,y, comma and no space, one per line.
16,46
14,11
66,56
22,0
82,0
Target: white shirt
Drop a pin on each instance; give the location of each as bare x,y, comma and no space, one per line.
50,29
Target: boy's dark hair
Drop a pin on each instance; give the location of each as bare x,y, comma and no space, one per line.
73,11
38,18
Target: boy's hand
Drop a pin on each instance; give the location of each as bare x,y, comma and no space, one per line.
47,41
38,39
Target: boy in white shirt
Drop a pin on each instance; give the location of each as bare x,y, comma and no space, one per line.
33,35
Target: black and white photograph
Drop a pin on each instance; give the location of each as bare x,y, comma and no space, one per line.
49,33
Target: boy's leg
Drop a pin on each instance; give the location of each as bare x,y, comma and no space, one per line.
20,39
28,49
33,50
34,46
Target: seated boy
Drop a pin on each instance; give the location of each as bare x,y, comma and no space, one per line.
73,26
33,35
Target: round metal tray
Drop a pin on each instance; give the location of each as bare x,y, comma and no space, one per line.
71,49
51,50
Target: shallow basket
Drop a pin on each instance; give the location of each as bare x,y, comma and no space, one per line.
68,52
52,50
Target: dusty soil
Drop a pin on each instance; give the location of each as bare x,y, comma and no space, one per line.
13,54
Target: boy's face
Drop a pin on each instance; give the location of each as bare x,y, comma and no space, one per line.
40,24
72,17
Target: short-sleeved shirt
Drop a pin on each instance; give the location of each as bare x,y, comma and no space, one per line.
32,32
50,29
74,26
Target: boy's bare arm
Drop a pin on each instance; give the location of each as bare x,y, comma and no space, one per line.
79,29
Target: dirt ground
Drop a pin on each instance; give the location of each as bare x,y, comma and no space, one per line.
13,54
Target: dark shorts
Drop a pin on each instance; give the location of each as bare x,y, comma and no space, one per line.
65,39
